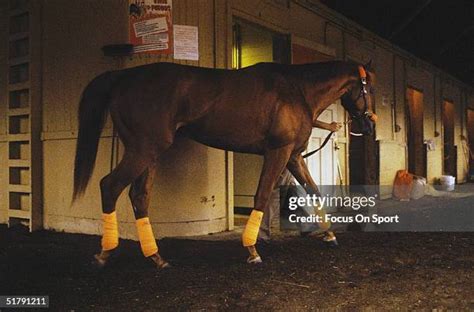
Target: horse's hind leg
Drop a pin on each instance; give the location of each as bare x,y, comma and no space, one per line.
140,197
128,170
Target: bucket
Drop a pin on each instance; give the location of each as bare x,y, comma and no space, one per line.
447,183
418,190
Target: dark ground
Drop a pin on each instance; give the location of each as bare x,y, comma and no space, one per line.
370,270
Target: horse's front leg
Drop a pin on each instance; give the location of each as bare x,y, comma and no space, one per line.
300,171
274,162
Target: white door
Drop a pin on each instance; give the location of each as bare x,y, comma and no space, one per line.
323,164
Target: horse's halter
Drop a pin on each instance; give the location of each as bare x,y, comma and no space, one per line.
353,112
363,94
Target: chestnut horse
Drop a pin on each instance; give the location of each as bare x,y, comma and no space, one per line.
267,109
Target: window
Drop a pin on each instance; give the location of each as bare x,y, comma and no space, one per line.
19,73
19,98
19,23
18,4
19,48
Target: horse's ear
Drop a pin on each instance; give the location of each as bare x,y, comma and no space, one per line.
368,66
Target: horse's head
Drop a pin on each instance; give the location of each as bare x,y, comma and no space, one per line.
358,102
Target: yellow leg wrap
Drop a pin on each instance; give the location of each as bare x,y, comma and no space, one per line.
249,236
110,238
329,236
147,239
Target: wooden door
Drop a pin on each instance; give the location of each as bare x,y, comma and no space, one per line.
363,160
416,147
323,165
470,137
450,155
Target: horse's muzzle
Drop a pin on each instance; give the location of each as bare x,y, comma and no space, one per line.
364,125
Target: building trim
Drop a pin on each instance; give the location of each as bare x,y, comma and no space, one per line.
348,26
324,49
69,135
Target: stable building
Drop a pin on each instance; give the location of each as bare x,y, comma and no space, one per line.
51,50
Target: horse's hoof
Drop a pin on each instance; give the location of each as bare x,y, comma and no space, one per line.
99,262
254,260
164,265
159,262
332,243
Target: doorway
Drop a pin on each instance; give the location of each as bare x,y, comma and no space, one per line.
322,165
252,44
363,159
470,137
450,150
416,147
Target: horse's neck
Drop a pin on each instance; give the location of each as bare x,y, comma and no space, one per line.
320,95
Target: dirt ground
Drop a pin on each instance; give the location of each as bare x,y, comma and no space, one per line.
369,270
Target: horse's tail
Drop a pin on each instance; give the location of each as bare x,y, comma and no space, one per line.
93,108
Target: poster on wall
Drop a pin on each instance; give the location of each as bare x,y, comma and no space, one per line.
151,26
186,44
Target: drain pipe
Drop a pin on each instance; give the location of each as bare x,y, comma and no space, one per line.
405,110
394,103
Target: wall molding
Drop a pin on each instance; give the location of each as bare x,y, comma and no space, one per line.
69,135
321,48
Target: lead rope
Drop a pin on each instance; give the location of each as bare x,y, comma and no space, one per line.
326,140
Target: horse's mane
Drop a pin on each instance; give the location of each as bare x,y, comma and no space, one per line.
315,72
324,71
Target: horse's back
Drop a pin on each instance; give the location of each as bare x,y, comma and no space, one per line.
229,109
